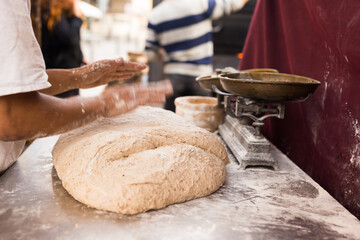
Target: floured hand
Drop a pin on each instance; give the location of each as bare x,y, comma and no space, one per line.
104,71
121,99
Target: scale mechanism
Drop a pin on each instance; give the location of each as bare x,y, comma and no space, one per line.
249,97
241,130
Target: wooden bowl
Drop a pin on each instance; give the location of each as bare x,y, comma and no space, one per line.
204,112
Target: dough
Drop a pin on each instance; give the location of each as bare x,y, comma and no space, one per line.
147,159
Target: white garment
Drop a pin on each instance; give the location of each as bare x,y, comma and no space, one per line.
22,68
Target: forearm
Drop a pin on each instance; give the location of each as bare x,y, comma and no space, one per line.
31,115
92,75
62,80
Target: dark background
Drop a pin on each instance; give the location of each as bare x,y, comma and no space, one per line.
229,35
230,31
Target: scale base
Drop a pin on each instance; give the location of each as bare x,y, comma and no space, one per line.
250,150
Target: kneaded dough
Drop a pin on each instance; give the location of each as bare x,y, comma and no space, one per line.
147,159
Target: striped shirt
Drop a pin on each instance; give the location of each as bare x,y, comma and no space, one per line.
182,28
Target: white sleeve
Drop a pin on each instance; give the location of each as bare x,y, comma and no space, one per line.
225,7
22,67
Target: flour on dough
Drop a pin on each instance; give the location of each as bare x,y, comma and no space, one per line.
147,159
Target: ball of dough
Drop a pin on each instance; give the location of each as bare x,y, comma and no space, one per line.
147,159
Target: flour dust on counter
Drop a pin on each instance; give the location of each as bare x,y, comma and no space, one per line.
146,159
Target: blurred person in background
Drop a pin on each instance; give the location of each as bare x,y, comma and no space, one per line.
61,23
180,32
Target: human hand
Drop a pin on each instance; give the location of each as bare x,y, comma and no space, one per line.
164,86
104,71
121,99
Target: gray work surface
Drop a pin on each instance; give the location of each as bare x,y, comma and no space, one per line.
252,204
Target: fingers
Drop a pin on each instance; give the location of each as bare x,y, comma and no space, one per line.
157,97
121,99
122,65
165,86
104,71
111,78
116,102
121,76
115,65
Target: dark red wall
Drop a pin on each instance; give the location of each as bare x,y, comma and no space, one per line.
318,39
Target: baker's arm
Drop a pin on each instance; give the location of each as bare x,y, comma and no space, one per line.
95,74
31,115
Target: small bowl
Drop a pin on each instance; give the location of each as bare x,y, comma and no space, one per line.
204,112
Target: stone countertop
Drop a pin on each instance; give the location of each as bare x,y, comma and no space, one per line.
256,203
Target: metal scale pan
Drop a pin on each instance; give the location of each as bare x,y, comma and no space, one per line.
206,82
268,86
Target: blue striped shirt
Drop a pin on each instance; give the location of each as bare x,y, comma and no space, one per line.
182,28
